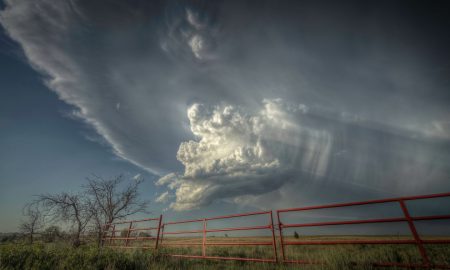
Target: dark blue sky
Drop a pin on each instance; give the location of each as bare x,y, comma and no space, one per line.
42,149
225,106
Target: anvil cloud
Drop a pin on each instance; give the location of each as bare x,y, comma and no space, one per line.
237,101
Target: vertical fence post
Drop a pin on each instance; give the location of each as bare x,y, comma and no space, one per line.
274,242
161,238
419,243
113,235
103,234
159,229
204,239
128,233
280,228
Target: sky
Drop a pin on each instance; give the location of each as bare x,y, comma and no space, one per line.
225,106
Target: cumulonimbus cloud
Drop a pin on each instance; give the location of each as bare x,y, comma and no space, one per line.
239,152
131,70
283,149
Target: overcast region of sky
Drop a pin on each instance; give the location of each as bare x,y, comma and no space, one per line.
225,106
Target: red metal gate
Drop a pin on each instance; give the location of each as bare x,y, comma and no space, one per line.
407,217
141,233
127,233
204,231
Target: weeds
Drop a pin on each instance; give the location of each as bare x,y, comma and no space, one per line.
63,257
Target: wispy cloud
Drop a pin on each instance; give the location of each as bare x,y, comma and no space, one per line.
163,198
133,70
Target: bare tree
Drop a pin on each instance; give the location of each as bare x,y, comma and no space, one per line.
33,222
72,208
111,200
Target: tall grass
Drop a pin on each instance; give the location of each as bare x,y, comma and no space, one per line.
63,256
60,256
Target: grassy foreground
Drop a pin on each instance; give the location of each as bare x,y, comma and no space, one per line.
41,256
63,256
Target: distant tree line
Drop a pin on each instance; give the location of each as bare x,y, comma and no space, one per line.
99,202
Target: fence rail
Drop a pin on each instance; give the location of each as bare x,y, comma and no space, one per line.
418,241
162,236
109,233
268,226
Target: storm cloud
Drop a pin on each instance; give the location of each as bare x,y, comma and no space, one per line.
285,148
240,153
239,101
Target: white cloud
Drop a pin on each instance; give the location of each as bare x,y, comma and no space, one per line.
112,98
190,35
135,95
170,180
239,152
163,198
192,18
438,129
197,44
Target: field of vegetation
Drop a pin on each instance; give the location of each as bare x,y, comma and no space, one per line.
61,255
65,230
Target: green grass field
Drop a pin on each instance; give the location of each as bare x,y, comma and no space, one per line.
63,256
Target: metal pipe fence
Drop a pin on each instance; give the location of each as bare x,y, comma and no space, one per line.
407,218
269,226
131,232
123,234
